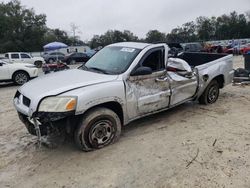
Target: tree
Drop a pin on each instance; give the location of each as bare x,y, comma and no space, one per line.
205,28
186,33
155,36
20,28
112,36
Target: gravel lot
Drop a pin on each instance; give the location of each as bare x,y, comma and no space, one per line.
152,152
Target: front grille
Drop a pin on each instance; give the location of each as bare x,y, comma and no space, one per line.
26,101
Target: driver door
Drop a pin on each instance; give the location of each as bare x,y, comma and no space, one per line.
151,92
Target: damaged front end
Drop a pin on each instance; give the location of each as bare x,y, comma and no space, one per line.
54,114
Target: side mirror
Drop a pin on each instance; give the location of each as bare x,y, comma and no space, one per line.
179,65
142,71
1,64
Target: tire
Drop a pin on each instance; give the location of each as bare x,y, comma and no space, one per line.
98,128
72,62
211,93
38,64
51,60
20,77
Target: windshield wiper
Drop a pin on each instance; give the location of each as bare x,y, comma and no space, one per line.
98,70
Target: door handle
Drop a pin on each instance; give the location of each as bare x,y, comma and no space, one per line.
161,79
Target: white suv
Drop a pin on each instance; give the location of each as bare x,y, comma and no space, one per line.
19,73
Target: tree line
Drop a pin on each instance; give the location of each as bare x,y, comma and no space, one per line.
21,29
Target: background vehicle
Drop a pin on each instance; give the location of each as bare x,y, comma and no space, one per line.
21,57
245,49
193,47
53,56
17,72
54,67
121,83
76,57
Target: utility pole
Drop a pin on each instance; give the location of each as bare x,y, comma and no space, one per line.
74,29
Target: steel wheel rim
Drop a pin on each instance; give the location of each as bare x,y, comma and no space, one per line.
21,78
101,133
213,94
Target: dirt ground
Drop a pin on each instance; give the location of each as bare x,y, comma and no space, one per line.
153,152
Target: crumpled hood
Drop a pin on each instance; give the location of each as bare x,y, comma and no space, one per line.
60,82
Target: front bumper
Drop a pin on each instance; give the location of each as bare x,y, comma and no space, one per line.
29,124
46,120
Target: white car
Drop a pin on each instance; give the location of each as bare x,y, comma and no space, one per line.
19,73
21,57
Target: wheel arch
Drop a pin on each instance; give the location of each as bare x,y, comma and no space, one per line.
220,79
112,105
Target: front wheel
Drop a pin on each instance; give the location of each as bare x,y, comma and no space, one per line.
211,93
20,77
98,128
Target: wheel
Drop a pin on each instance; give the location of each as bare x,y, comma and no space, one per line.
20,77
72,62
98,128
38,64
211,93
51,60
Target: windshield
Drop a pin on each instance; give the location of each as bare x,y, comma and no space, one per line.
112,60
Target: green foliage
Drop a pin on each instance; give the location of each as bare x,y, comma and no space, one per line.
224,27
186,33
155,36
112,36
23,30
20,28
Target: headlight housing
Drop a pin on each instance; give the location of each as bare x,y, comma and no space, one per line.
58,104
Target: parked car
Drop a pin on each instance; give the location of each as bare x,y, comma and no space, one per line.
21,57
175,48
121,83
245,49
53,56
19,73
76,57
242,49
193,47
54,67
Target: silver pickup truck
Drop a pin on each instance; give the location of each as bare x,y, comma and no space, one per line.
121,83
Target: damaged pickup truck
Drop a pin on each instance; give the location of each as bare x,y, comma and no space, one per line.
121,83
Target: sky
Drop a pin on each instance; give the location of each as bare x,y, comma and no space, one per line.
139,16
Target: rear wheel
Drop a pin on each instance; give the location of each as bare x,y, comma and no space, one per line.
20,77
51,60
211,93
98,128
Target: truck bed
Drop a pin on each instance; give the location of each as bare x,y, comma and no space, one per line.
195,59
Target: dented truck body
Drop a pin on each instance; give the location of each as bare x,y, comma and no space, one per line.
132,93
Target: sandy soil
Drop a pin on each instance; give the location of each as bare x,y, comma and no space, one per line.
152,152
